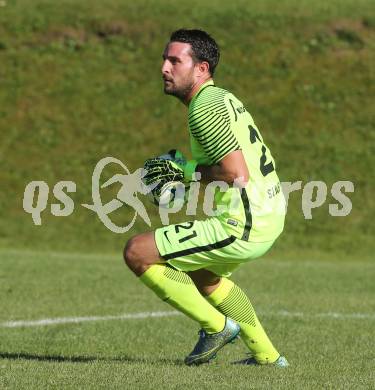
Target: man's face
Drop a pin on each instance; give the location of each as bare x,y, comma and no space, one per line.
178,69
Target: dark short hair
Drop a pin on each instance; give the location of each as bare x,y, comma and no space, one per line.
203,46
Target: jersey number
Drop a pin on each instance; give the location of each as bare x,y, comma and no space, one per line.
186,226
264,168
254,136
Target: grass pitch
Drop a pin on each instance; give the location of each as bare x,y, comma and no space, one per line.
318,313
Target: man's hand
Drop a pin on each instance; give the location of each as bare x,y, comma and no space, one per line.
162,170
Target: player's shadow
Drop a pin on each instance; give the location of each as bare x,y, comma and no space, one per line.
85,359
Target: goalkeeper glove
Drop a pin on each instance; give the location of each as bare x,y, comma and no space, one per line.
161,170
188,167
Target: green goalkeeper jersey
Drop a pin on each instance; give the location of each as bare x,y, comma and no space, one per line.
218,125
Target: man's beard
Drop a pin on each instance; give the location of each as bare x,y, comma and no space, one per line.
180,92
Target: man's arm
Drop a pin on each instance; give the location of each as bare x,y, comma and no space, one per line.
231,167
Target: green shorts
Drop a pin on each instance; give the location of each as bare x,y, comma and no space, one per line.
189,246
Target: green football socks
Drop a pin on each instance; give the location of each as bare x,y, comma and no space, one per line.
230,300
177,289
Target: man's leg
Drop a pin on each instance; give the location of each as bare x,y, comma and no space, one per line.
174,287
230,300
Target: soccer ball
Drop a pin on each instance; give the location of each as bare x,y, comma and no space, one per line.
169,194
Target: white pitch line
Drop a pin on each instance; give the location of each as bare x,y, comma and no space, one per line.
340,316
70,320
156,314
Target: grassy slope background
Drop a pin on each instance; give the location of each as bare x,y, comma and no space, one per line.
81,81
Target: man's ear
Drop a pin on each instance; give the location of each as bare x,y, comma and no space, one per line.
204,67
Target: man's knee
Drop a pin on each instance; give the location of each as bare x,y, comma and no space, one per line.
140,252
131,252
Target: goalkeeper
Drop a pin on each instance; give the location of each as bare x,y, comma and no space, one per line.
188,265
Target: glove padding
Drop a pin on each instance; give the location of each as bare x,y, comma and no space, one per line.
162,170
